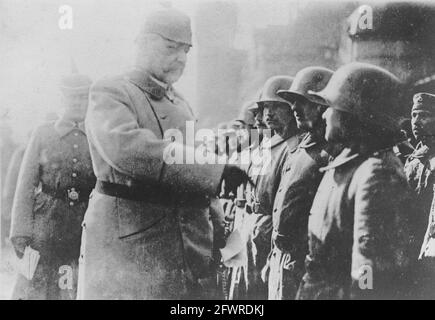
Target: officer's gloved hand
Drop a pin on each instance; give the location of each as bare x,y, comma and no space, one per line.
232,177
20,244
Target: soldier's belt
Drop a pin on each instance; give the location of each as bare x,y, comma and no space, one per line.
252,207
70,194
155,193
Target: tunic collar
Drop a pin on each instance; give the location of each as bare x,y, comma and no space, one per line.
272,142
348,155
157,89
308,141
344,157
422,151
64,127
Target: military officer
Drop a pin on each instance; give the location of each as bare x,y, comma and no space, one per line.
420,168
147,233
298,185
52,194
359,237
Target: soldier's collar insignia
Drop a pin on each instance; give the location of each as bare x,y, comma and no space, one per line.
421,151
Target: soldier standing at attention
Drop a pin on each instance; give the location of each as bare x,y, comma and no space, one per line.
420,171
266,175
147,233
51,198
299,183
360,245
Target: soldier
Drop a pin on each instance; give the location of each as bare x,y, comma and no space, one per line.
234,204
420,168
147,232
52,194
359,239
420,165
299,183
266,175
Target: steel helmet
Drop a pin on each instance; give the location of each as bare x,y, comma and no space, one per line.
307,79
369,92
272,86
253,106
246,114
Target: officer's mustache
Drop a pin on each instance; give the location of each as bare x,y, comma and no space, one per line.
175,68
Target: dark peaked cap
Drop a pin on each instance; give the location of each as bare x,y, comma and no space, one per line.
424,101
169,23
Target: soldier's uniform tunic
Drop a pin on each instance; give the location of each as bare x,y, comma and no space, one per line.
420,172
51,198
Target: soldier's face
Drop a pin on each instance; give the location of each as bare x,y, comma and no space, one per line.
278,116
168,59
308,115
335,125
423,124
76,106
258,117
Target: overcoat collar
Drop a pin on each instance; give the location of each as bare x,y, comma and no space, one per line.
147,83
422,151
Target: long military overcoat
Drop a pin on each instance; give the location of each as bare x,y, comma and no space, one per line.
152,247
265,171
360,244
291,209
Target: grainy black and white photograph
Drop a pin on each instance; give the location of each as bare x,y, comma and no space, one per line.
236,151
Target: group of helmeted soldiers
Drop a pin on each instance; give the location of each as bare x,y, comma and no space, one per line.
345,210
342,207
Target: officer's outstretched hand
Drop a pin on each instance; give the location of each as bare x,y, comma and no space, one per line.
232,177
20,244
